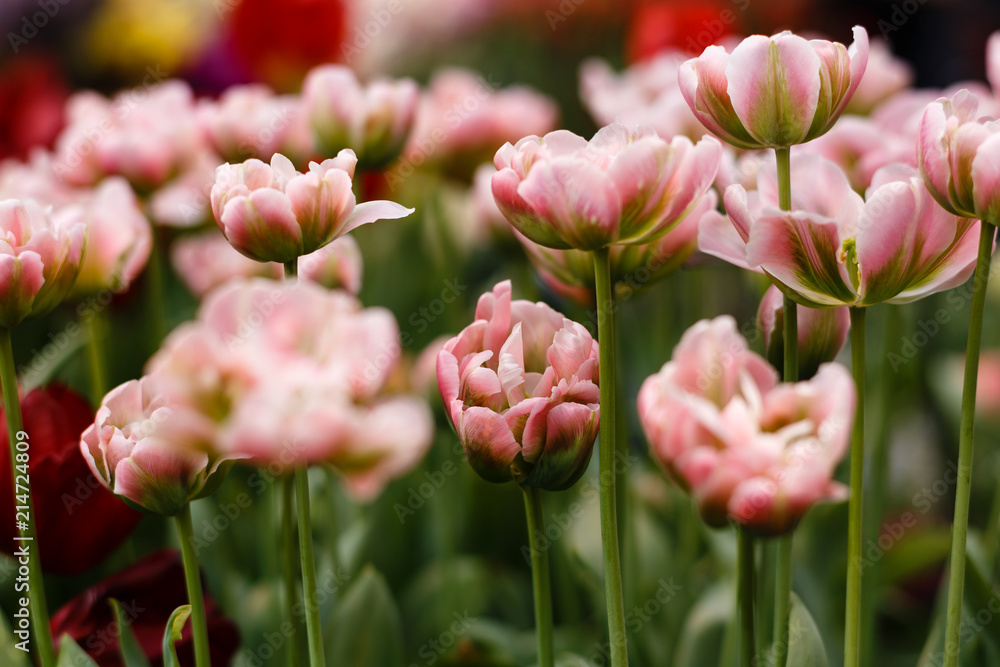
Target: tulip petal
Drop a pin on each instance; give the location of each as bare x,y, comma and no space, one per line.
570,431
986,176
370,211
21,279
488,442
774,85
262,226
705,88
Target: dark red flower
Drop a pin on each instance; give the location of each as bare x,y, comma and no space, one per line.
687,26
149,591
32,96
78,522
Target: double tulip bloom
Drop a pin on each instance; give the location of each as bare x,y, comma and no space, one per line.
374,120
774,92
520,386
272,213
747,448
959,157
836,249
40,258
624,186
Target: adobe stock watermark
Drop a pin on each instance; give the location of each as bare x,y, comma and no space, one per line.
33,22
901,13
433,649
637,618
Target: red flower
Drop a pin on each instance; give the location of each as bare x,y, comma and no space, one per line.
77,521
149,591
32,95
687,26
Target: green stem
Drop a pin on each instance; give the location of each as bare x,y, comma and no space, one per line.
783,598
855,529
745,569
313,629
963,488
292,270
609,516
783,158
26,530
155,292
192,576
290,568
540,579
96,357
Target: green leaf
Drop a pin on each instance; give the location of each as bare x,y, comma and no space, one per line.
705,627
365,630
175,625
131,650
71,655
10,656
805,645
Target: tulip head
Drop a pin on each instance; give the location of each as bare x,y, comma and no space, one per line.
747,448
272,213
624,186
520,387
774,92
822,332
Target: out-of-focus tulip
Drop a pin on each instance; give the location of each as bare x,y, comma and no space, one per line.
960,157
835,249
35,179
65,493
252,122
293,374
624,186
146,135
646,93
884,76
33,95
462,119
746,448
993,62
149,590
119,239
205,261
275,214
147,450
860,147
40,258
374,120
570,273
520,387
774,92
822,332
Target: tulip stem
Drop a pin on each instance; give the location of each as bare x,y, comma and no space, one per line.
852,628
609,516
782,598
956,580
540,579
25,529
290,567
783,158
745,567
192,576
313,629
96,357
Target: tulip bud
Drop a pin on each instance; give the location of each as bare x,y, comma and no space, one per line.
822,333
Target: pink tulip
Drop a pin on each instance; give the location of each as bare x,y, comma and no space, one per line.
185,202
462,119
993,62
119,239
252,122
206,261
835,249
520,387
35,179
624,186
746,448
884,76
275,214
374,120
647,93
822,332
774,92
148,450
960,157
860,147
40,258
570,273
146,135
293,374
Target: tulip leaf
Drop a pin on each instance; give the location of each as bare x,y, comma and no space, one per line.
703,636
172,634
365,630
71,655
805,645
9,654
132,653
